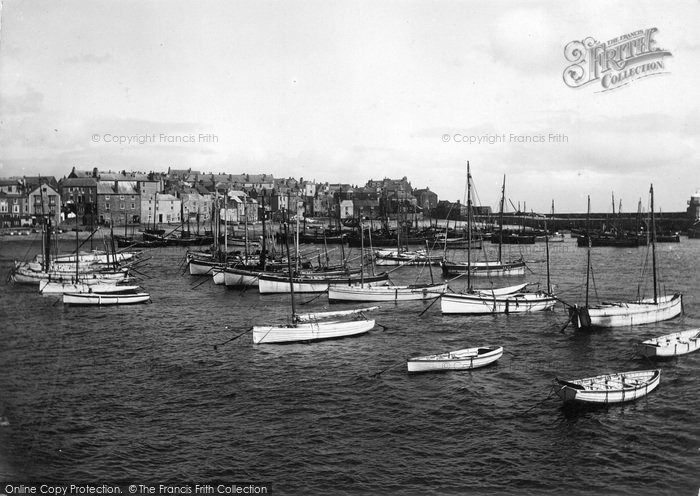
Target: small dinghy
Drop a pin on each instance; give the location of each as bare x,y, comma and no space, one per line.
468,358
610,388
669,345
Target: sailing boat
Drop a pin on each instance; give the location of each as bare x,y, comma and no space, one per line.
488,268
384,290
506,300
312,327
640,311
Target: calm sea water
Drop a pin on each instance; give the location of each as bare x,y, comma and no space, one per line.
140,394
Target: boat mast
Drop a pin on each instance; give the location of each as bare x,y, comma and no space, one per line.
362,256
469,228
289,268
588,250
546,247
263,253
245,225
77,248
653,241
500,220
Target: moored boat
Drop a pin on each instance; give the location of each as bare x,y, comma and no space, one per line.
626,313
384,291
669,345
310,331
609,388
279,283
620,314
105,298
96,286
480,303
465,359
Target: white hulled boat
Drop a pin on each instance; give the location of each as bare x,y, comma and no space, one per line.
609,388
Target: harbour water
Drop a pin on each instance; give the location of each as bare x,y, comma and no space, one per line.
139,394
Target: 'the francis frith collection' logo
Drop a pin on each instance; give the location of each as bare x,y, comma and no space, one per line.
616,62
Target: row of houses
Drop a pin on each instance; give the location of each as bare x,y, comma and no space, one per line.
92,197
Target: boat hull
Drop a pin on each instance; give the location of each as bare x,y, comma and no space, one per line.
46,287
268,284
240,278
628,313
484,269
381,292
470,358
451,303
606,389
311,331
104,299
669,345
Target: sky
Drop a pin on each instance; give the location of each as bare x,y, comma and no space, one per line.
347,91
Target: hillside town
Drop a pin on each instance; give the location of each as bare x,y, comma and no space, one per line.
96,197
89,198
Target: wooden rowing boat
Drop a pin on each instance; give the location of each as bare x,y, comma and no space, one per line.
610,388
468,358
677,343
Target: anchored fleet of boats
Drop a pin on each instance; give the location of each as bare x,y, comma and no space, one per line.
102,278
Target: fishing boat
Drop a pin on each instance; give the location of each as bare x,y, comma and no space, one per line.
310,331
105,298
497,268
269,283
404,257
610,388
315,316
96,286
484,302
468,358
317,327
384,291
480,303
670,345
627,313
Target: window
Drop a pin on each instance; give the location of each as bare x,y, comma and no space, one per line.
133,197
106,197
133,206
121,206
121,197
106,206
3,207
15,209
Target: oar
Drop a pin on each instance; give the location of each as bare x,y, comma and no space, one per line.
565,326
428,307
377,374
206,279
234,337
312,299
141,273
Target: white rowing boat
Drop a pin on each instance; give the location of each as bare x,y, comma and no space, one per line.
677,343
610,388
468,358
